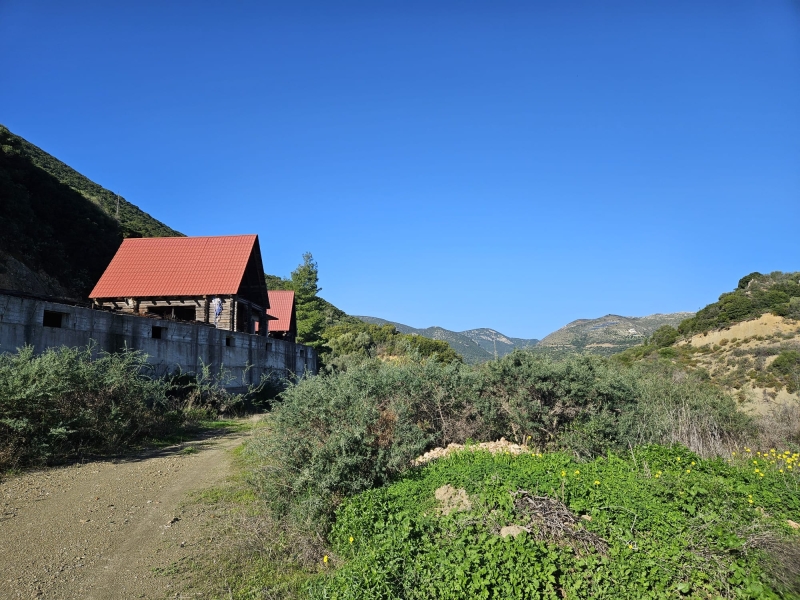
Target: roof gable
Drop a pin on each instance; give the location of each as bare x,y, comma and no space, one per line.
281,308
184,266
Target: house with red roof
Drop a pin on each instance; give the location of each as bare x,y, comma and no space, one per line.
281,313
217,280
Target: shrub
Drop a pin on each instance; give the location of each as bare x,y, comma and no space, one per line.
786,363
532,398
337,435
664,336
63,403
677,407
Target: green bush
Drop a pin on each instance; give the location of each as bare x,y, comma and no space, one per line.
664,336
350,342
337,435
787,366
673,406
786,363
533,399
64,403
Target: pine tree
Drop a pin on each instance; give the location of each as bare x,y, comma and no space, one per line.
310,309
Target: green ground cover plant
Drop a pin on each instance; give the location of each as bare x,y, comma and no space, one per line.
657,522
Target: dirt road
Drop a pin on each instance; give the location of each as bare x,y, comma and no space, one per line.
113,529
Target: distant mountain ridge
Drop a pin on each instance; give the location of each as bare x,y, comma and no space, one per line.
608,334
475,345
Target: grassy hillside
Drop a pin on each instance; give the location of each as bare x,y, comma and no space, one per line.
58,231
133,221
607,335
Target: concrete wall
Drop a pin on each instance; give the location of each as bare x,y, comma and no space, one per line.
182,345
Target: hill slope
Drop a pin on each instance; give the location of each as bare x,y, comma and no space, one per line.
608,334
748,342
58,229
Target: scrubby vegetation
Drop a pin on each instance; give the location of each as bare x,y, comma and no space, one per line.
340,434
646,451
768,362
351,342
64,403
755,295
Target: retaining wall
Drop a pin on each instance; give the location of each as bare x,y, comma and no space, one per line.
169,345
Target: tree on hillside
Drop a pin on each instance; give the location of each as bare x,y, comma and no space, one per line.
277,283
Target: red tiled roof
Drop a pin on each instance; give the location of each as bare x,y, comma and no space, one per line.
281,307
185,266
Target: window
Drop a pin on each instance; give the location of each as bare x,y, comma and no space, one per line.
228,341
157,331
269,347
53,319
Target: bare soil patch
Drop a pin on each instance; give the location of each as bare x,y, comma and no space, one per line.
106,529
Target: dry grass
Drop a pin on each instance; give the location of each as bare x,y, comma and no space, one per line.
782,556
780,427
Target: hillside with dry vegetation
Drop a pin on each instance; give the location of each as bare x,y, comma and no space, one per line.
748,342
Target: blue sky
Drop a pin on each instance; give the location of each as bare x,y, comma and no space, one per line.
514,165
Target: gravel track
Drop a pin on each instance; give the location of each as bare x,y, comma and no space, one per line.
110,529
